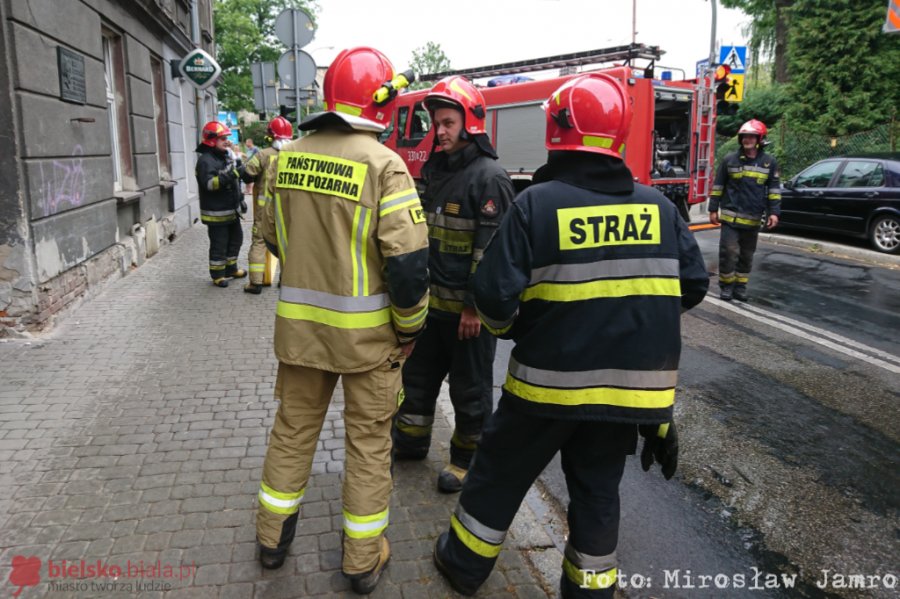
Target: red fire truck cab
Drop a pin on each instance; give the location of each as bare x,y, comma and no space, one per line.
669,147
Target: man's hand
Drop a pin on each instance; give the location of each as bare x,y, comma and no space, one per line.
469,323
661,445
407,348
714,217
772,221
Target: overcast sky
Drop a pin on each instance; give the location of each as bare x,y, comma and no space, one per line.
482,32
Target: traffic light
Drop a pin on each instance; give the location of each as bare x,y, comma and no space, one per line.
723,83
288,112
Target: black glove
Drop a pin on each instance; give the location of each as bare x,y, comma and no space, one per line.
243,207
227,179
661,445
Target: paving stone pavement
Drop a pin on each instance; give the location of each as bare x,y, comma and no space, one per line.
134,435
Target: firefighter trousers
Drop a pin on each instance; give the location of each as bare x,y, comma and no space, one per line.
736,249
469,363
224,246
515,449
257,255
370,402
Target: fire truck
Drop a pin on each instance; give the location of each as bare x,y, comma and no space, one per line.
670,145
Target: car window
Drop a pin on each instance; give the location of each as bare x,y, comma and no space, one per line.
421,122
401,121
818,175
861,173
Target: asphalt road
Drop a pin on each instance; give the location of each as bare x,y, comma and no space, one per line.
789,454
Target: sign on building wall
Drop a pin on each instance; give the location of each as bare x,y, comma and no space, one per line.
72,86
199,68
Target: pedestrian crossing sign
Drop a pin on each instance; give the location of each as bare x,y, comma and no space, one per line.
734,57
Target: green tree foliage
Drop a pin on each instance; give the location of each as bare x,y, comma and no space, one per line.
766,103
844,70
769,28
245,33
427,59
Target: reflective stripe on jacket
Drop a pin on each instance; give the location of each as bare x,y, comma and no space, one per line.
349,227
591,286
219,198
746,190
466,195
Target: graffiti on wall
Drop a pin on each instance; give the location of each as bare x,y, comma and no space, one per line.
63,184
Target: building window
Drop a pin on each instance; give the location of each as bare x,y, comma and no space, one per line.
117,110
159,117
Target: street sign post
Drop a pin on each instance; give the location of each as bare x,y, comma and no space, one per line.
296,68
264,86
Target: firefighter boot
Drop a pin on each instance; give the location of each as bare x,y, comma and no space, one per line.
271,559
238,274
220,282
740,292
253,288
363,584
440,549
451,479
726,291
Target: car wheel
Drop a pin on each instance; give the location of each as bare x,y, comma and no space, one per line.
885,234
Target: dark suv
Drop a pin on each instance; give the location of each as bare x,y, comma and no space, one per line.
851,195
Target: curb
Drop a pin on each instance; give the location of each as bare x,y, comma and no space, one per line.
816,246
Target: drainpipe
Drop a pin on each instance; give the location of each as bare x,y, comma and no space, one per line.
199,105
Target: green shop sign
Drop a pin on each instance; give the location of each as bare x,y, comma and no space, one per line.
199,68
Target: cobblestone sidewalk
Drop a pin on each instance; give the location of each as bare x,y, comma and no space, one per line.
134,435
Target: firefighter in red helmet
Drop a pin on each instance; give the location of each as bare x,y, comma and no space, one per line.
745,195
278,132
466,195
220,199
347,224
588,273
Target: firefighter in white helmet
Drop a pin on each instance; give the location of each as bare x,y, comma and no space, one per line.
278,132
349,230
588,273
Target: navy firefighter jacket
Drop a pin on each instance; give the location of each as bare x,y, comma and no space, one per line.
745,189
589,274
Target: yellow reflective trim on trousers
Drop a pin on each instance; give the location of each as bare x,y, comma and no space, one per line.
473,543
332,318
279,502
606,396
573,292
280,233
588,579
216,219
254,267
727,279
365,527
413,430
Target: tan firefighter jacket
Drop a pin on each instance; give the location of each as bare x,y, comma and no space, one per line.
255,170
351,234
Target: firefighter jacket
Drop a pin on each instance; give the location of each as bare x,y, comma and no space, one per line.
255,171
465,197
746,189
589,274
219,186
353,243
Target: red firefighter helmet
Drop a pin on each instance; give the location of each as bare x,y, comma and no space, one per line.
590,113
753,127
280,128
459,93
351,80
212,131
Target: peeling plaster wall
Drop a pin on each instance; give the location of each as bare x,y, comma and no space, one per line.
60,214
